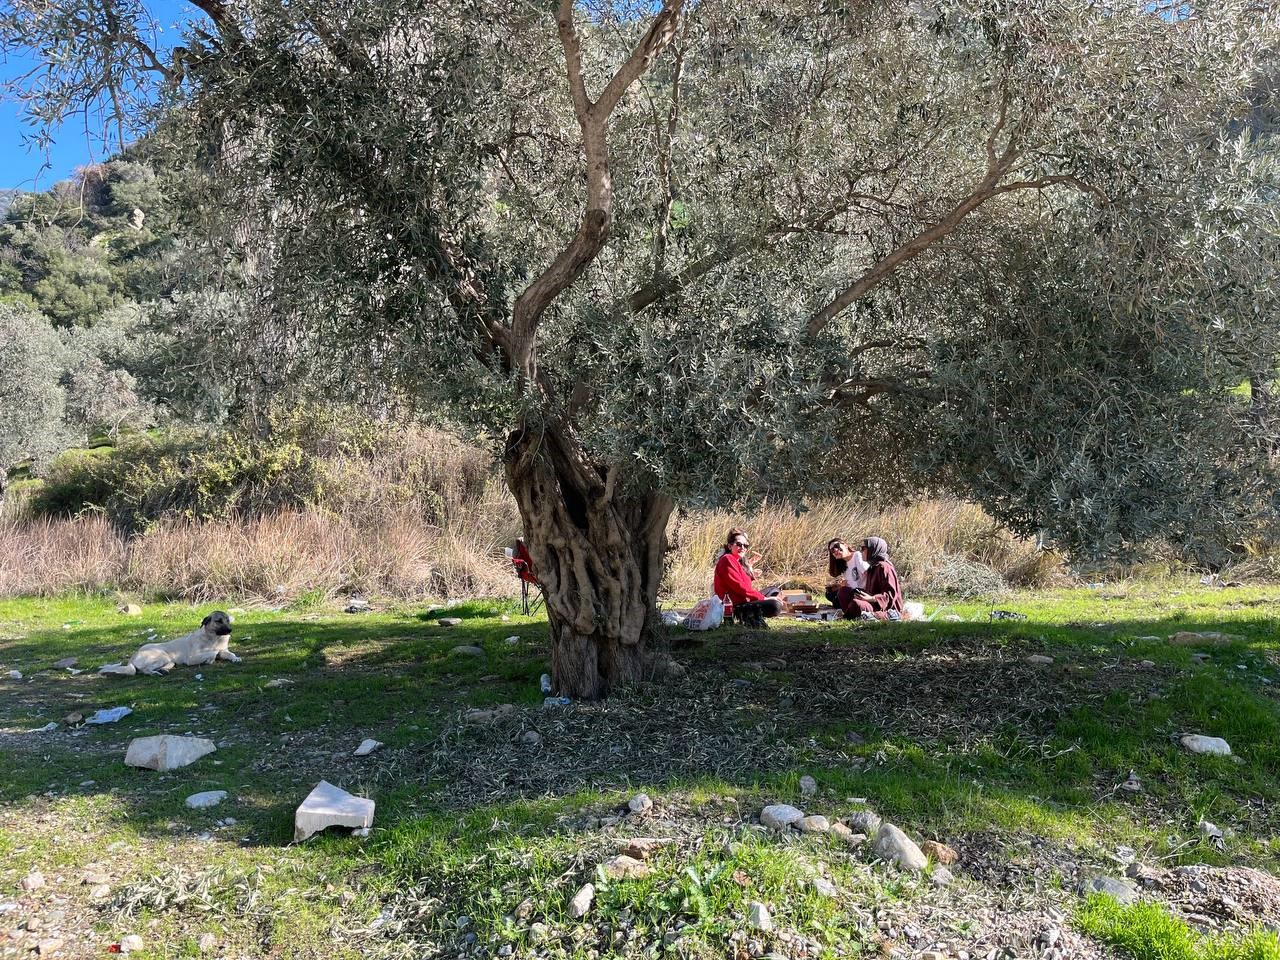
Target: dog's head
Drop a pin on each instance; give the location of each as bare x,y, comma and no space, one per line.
217,623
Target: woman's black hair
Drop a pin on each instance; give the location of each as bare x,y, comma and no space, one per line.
836,566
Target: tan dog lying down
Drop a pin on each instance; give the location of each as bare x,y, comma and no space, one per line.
198,647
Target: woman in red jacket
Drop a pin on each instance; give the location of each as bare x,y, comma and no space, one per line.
881,595
733,582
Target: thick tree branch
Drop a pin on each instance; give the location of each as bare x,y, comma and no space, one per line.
219,11
593,120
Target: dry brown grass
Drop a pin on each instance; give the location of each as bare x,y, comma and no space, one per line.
921,536
428,516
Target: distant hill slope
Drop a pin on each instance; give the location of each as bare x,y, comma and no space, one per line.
6,200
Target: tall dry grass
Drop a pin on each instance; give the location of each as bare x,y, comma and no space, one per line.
428,516
922,536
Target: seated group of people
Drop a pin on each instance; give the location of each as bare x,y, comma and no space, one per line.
867,585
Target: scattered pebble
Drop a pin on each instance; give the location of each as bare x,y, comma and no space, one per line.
863,821
131,944
468,650
1122,890
759,917
779,816
32,881
449,621
941,877
582,900
207,942
531,738
824,887
814,823
640,803
203,801
939,852
367,747
808,786
15,674
1133,784
894,845
623,867
1039,659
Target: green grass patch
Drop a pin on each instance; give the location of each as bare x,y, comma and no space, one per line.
1146,931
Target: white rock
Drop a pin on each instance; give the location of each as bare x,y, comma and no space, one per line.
824,886
207,942
779,816
330,806
758,916
640,803
278,683
1039,659
130,944
814,823
367,747
892,844
466,650
531,738
808,785
109,716
167,752
863,821
1211,745
512,641
582,901
203,801
32,881
15,674
941,877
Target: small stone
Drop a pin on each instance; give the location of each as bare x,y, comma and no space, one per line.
850,838
449,621
207,942
779,816
51,945
939,852
941,877
642,848
130,944
66,663
814,823
892,844
854,738
1189,638
329,806
203,801
277,683
758,916
640,803
130,609
1133,784
1214,746
368,746
1210,830
466,650
531,738
1122,890
1039,660
73,719
32,881
100,892
539,932
808,786
511,641
824,887
863,821
623,867
487,714
582,900
15,674
166,752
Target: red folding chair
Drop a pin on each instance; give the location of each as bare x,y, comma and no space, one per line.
530,585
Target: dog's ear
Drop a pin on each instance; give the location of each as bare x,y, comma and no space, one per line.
205,621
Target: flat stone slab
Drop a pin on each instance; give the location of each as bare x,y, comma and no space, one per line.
167,752
329,806
203,801
1122,890
367,747
467,650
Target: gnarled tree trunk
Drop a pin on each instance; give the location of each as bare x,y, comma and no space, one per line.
599,554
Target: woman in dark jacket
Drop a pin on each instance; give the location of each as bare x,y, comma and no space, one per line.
881,595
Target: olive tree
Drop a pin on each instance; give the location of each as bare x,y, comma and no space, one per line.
698,252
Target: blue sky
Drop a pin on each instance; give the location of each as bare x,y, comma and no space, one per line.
21,167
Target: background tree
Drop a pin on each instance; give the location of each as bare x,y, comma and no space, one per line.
706,252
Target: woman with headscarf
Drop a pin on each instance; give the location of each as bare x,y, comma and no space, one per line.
880,597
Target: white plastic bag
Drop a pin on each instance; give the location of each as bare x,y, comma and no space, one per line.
707,615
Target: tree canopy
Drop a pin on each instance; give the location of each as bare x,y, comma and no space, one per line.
708,251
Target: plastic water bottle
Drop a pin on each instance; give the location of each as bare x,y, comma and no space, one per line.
546,683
